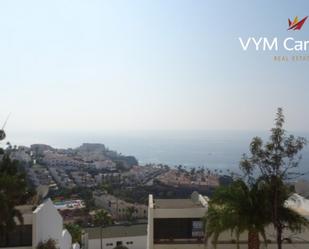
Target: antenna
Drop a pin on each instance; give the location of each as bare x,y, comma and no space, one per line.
2,133
6,121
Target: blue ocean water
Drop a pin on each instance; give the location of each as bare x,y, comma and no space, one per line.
212,149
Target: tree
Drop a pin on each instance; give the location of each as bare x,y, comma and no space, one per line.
276,161
192,171
102,218
13,192
130,213
76,232
239,208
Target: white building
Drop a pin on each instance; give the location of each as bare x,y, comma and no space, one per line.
39,225
130,236
105,164
119,208
176,223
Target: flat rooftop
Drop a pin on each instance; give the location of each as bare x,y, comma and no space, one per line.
25,209
117,231
175,204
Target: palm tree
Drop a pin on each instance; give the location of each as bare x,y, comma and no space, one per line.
239,208
248,208
102,219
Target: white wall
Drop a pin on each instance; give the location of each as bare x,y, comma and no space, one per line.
139,242
150,223
75,246
66,240
48,224
179,213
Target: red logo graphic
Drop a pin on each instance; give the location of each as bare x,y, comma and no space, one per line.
296,25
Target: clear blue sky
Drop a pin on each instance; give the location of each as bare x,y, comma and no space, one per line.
147,65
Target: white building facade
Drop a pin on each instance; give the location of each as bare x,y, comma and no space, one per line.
130,236
176,223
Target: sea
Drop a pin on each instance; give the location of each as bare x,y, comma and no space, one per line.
220,150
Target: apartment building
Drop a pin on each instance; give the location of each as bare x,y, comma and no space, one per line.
55,159
61,177
119,208
40,176
176,223
82,178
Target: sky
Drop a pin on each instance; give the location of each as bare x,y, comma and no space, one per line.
147,65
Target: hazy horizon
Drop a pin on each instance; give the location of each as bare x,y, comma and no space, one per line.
50,137
220,149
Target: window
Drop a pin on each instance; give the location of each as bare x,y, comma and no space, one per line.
129,243
119,243
177,228
109,244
